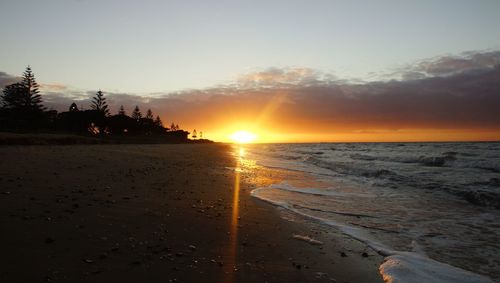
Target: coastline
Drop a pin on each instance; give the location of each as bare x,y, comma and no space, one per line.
299,193
157,213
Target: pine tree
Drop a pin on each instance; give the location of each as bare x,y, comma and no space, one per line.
121,111
13,96
23,95
194,135
99,103
33,98
149,115
73,107
136,114
158,122
172,127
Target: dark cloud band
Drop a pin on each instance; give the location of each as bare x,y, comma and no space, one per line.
453,92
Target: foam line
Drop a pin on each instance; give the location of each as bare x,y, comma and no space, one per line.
398,266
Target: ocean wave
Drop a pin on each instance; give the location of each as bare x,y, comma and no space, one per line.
398,266
494,182
354,169
482,198
316,191
410,267
447,159
435,161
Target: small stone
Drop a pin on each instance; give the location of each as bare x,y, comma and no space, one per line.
343,254
321,275
364,254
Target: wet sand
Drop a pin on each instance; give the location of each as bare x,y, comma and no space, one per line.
157,213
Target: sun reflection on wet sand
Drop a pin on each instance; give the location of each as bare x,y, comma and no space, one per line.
231,267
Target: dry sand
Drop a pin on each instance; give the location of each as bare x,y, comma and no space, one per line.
156,213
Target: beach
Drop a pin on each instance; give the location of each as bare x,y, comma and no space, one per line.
158,213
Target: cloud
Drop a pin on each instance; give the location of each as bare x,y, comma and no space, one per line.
451,92
49,87
6,79
282,77
461,101
451,65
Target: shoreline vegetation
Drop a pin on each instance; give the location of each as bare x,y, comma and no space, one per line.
22,112
32,138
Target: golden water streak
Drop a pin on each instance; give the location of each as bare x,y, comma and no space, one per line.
233,236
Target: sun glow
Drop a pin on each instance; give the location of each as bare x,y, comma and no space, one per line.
243,137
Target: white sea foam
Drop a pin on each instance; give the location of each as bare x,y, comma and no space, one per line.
354,232
307,239
410,267
442,198
330,191
398,266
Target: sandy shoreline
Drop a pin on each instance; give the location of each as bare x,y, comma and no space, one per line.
156,213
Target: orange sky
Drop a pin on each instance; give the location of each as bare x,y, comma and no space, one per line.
290,71
294,105
442,99
280,115
403,135
268,131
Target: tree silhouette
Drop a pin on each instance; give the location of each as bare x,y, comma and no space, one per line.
121,111
194,135
99,103
149,115
136,114
158,122
13,96
33,98
21,108
23,96
73,107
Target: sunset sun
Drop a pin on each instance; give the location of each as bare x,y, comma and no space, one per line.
243,136
238,141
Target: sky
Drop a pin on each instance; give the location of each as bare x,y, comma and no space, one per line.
288,70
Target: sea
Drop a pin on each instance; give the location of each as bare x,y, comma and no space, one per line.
431,209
